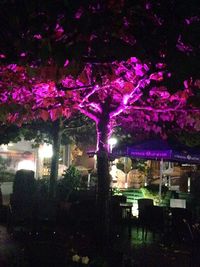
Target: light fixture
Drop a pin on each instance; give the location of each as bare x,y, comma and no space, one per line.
112,142
45,151
26,165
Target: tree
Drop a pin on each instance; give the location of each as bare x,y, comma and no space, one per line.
60,131
25,98
39,131
149,93
9,133
127,96
31,104
128,64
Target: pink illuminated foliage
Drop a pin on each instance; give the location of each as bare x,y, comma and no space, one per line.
104,59
25,97
130,95
134,92
132,64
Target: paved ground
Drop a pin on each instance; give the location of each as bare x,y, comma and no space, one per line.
134,250
153,253
9,249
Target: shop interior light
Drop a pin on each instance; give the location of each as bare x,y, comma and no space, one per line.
45,151
26,165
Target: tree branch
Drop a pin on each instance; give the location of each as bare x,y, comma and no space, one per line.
160,110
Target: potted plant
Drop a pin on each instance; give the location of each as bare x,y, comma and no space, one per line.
69,182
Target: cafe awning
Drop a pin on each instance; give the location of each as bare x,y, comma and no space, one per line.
159,149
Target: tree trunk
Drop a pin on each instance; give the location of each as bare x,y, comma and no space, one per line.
55,158
103,199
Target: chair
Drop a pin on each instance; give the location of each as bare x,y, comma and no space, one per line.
178,216
82,216
119,198
143,215
45,218
190,238
116,211
119,213
155,221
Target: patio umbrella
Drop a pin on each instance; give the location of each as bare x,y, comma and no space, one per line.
159,150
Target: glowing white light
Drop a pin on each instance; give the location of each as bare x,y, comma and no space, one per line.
113,172
135,210
10,144
4,147
112,142
26,165
46,151
188,182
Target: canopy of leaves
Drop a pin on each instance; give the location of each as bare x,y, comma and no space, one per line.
134,62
